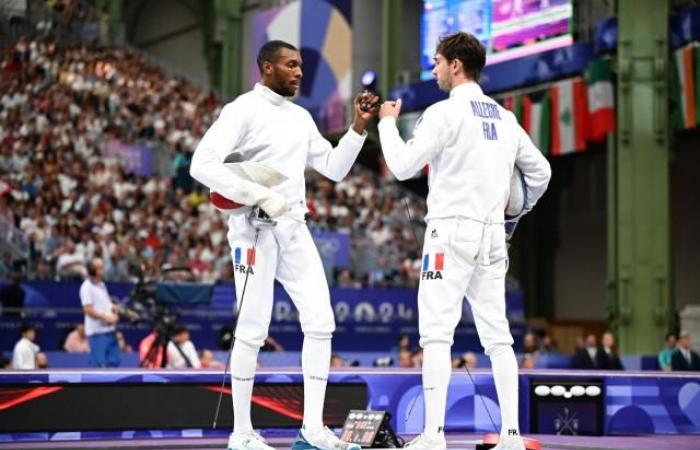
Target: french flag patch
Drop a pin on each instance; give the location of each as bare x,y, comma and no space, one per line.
249,256
435,261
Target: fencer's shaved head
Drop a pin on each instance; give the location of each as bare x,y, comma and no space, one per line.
268,52
280,67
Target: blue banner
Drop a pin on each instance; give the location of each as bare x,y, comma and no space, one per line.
684,27
606,36
136,159
334,248
366,319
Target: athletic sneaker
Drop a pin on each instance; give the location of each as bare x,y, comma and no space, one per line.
247,440
422,442
321,439
510,443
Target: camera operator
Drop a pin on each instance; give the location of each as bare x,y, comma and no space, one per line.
100,318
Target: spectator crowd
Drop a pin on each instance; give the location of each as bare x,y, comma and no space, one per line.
63,110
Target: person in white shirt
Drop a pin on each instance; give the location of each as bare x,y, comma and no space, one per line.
472,146
182,353
25,351
263,126
100,318
70,263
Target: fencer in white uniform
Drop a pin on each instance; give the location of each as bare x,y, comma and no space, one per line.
471,145
263,126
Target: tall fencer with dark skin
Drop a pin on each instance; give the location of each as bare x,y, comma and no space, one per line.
263,127
283,73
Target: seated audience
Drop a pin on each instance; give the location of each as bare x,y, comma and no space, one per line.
607,358
76,341
207,361
666,353
684,358
586,357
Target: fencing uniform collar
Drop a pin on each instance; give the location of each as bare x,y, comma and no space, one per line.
269,95
469,88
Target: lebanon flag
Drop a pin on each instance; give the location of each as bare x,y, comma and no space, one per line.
601,101
685,71
535,118
569,113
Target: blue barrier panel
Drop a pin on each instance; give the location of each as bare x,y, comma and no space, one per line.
366,319
634,403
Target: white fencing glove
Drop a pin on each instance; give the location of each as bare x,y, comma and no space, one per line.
273,203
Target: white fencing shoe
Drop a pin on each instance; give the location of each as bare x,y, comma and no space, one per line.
247,440
321,439
510,443
421,442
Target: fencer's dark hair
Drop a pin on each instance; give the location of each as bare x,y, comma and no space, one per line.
26,327
466,48
269,50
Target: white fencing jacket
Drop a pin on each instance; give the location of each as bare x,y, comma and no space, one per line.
471,145
267,128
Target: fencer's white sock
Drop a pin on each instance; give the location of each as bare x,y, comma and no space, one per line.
505,376
315,364
244,359
437,368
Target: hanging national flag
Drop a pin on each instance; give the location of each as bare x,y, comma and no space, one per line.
514,104
507,101
569,114
535,118
601,99
684,59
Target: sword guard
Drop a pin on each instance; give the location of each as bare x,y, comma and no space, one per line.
259,219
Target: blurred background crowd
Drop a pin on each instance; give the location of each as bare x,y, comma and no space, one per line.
62,106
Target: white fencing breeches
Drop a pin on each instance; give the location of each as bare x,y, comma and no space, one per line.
463,257
287,253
